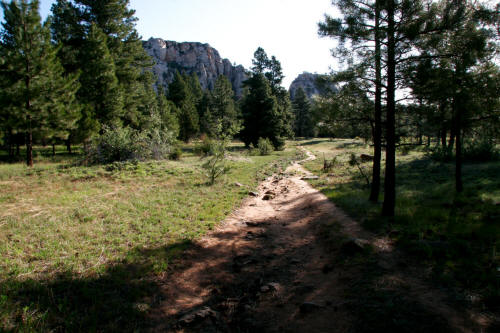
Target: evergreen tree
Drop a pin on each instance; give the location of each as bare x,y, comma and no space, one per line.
223,110
99,85
117,22
302,110
282,119
260,112
39,97
76,22
363,27
180,94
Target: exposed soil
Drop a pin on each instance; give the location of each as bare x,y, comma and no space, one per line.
268,268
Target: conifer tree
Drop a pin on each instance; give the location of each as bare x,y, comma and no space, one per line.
99,85
180,94
223,109
39,97
302,112
260,112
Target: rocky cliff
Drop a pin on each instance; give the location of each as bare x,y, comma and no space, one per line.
311,84
189,57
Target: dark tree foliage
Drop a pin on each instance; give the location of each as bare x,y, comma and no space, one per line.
180,93
37,97
304,126
260,112
281,120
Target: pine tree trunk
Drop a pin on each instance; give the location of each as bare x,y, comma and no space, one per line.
443,137
377,132
68,146
29,147
390,151
10,148
53,149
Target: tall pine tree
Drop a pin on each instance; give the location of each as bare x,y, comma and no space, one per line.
39,96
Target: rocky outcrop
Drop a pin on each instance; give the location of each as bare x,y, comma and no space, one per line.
189,57
311,84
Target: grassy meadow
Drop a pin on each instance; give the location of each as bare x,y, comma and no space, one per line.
457,236
80,246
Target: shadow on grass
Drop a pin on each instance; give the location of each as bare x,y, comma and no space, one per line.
455,234
111,301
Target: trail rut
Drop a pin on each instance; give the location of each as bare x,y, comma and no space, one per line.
267,268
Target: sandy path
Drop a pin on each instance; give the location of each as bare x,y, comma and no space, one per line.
267,269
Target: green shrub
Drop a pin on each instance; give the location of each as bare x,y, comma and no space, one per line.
279,143
206,147
482,151
265,146
441,154
215,166
175,154
125,144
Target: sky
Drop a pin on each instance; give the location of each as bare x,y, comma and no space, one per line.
287,29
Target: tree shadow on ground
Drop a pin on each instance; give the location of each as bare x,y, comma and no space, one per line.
114,300
453,234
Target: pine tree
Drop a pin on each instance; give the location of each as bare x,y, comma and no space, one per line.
99,85
39,97
303,118
260,112
280,120
180,94
117,22
223,109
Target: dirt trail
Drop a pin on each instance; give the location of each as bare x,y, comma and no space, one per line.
267,268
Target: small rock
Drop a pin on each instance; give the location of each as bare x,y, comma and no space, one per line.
308,307
309,178
352,246
274,286
327,268
252,224
253,194
265,289
238,184
268,197
197,315
270,192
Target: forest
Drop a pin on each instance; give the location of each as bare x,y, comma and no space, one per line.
112,185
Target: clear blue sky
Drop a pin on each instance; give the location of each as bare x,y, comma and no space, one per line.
284,28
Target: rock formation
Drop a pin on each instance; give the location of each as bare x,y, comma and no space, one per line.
311,85
190,57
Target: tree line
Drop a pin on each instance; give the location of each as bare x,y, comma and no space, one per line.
83,73
414,69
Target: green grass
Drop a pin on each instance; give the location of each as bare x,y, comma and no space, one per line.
456,235
80,246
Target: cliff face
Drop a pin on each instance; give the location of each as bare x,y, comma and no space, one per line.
199,58
311,85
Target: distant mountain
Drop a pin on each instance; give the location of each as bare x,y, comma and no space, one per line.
311,84
190,57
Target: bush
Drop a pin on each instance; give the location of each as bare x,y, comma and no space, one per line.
279,143
265,146
126,144
175,154
216,164
441,154
482,151
206,147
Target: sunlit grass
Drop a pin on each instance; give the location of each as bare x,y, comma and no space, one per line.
85,223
